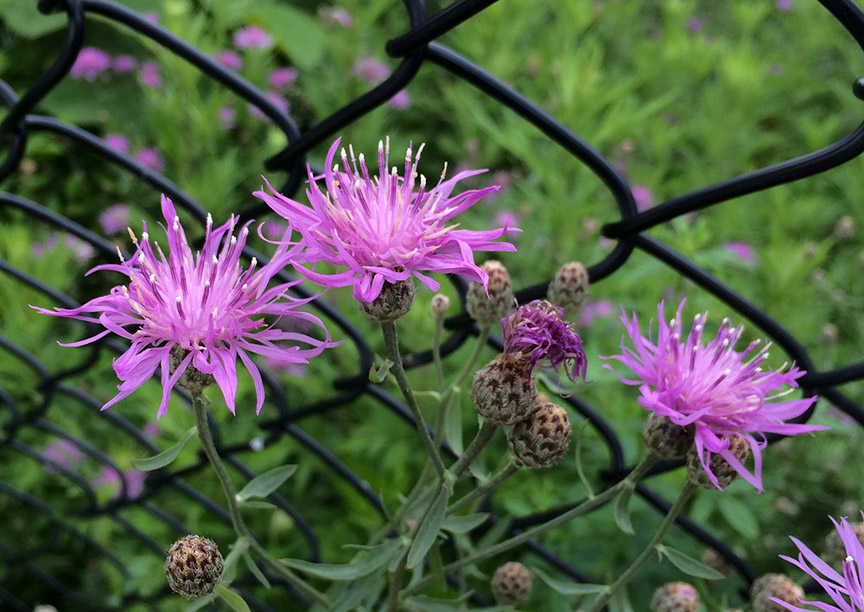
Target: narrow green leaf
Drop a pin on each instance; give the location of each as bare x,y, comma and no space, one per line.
201,602
565,587
379,374
688,564
266,483
148,464
258,505
580,433
232,599
739,516
356,592
229,568
622,511
620,602
256,571
453,423
436,565
374,558
428,530
464,524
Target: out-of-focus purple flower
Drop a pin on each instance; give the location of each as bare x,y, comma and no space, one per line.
150,74
81,249
230,59
252,36
694,24
846,589
592,310
63,453
776,69
152,430
227,117
370,70
114,219
741,250
400,100
124,63
90,63
280,102
714,388
384,229
133,479
643,196
784,5
506,218
334,15
117,142
202,311
282,77
539,332
39,249
150,158
288,367
152,17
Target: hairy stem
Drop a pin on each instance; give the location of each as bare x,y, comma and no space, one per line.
506,472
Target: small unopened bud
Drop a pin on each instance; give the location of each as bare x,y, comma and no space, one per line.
845,228
675,597
192,378
830,333
569,287
394,301
193,567
724,472
511,584
713,559
440,303
502,391
667,439
542,439
835,549
777,586
490,310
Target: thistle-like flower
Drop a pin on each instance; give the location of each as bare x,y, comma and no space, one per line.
713,388
385,229
193,316
846,589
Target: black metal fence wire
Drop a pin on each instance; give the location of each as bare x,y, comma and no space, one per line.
415,47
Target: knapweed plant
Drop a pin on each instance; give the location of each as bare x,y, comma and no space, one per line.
194,316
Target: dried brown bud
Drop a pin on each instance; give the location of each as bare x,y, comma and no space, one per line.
774,585
511,584
569,287
502,391
724,472
440,303
394,301
193,567
488,311
542,439
665,438
675,597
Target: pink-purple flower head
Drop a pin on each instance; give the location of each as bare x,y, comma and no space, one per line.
539,332
712,387
846,589
202,311
385,228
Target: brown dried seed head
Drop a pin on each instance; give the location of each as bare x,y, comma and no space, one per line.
394,301
193,567
542,439
675,597
774,585
502,391
724,472
569,287
511,584
490,310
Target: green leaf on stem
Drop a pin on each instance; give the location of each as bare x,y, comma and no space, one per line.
148,464
620,602
565,587
688,564
258,505
436,565
465,523
232,599
374,558
266,483
201,602
367,587
453,422
378,375
229,568
622,510
428,529
739,516
256,571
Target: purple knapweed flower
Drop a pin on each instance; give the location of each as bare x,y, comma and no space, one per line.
152,430
152,17
741,250
150,158
204,311
370,69
846,589
784,5
278,101
150,74
506,218
539,331
64,454
714,388
282,77
124,63
592,310
133,479
42,248
643,196
114,219
117,142
230,60
90,63
252,36
227,117
694,24
383,228
81,249
401,100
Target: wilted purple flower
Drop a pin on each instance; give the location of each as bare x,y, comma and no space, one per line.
539,332
334,15
643,196
592,310
63,453
150,158
713,388
400,100
381,228
280,103
150,74
846,589
251,36
230,60
124,63
90,63
370,70
282,77
227,117
117,142
741,250
204,311
784,5
114,219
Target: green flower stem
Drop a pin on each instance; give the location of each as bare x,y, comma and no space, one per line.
396,578
392,345
484,435
506,472
588,505
234,508
436,354
640,561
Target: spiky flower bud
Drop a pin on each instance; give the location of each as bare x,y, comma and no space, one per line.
675,597
511,584
490,310
665,438
569,287
192,378
778,586
724,472
394,301
193,566
440,303
502,391
541,440
835,548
